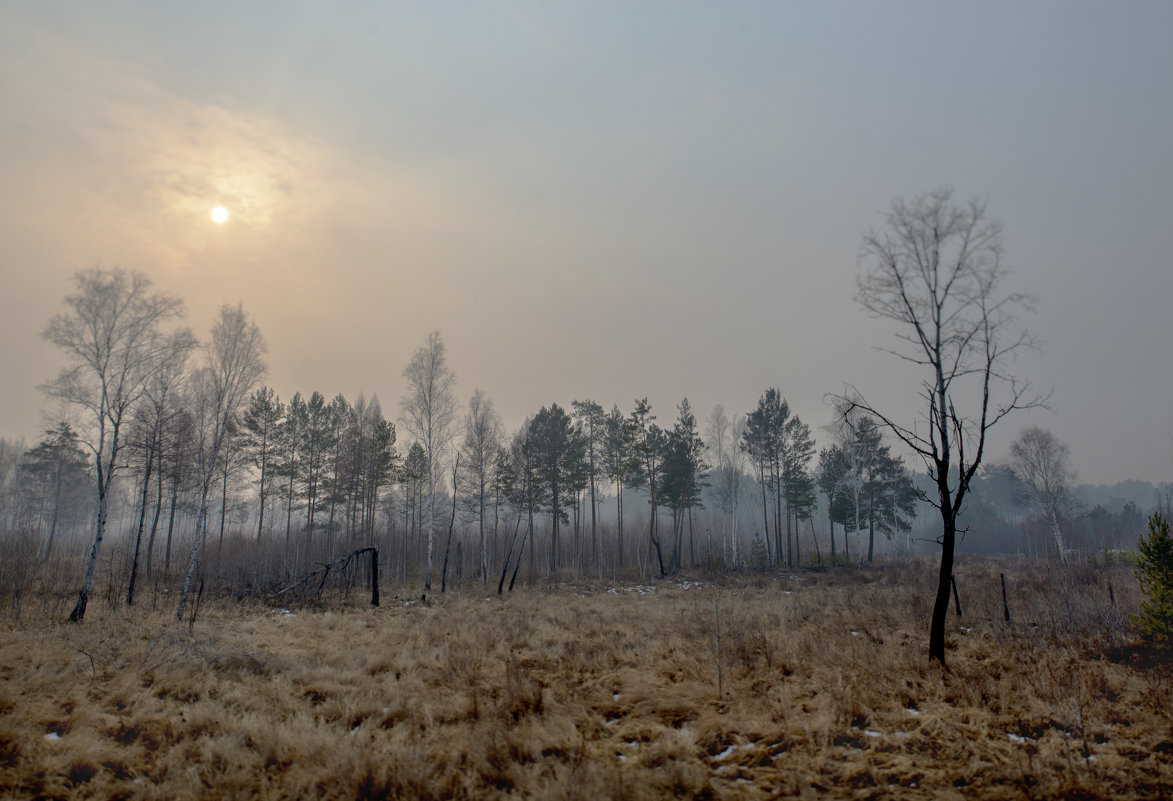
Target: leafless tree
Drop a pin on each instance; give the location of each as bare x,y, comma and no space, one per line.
235,364
159,394
936,270
1039,460
114,348
429,411
723,435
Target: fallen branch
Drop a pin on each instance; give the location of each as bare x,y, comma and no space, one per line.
341,563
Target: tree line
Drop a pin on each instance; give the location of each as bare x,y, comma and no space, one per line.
199,438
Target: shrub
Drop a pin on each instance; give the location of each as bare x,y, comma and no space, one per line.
1154,572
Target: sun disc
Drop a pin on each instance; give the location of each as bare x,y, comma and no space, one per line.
219,214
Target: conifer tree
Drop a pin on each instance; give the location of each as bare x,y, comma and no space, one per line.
1154,573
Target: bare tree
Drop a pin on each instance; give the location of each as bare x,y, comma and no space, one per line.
936,270
235,364
1039,460
429,411
113,348
159,393
723,445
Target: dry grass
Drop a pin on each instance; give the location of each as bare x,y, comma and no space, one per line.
601,692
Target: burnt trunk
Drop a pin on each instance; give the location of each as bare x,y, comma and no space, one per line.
944,583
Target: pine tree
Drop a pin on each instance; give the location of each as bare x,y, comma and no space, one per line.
1154,572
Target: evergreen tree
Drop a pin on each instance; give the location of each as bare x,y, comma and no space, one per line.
558,450
56,471
648,442
289,439
261,422
683,479
798,484
831,474
415,484
593,420
1154,572
618,465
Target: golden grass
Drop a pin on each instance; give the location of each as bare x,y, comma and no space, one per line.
601,692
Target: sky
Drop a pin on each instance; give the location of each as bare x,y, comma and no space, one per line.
598,200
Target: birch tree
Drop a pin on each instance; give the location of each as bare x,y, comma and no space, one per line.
936,270
235,364
159,393
113,346
1039,460
429,411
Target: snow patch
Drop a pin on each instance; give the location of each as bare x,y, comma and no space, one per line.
911,711
872,733
52,736
615,697
1017,738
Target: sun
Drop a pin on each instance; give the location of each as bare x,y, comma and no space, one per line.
219,214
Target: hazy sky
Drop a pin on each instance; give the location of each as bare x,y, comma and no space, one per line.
605,200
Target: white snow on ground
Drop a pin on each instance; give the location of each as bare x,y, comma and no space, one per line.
912,711
729,750
52,736
1016,738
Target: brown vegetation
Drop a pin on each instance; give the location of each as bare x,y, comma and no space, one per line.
601,692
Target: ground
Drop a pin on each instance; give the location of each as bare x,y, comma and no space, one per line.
808,684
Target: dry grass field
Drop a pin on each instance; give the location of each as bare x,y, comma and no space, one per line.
602,691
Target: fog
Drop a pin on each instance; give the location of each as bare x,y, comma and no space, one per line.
664,201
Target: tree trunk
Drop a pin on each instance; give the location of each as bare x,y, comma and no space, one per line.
56,509
1058,535
171,521
765,513
484,541
158,509
619,523
142,520
944,582
451,525
223,507
83,597
431,518
105,478
509,554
